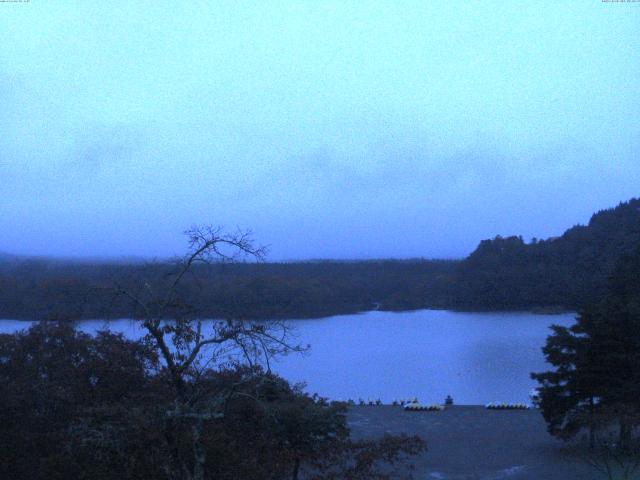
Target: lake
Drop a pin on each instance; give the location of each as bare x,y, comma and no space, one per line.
474,357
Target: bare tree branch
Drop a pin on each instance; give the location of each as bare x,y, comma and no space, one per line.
166,314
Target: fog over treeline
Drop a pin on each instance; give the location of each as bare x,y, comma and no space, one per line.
504,273
331,130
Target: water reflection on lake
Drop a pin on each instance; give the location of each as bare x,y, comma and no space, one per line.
475,357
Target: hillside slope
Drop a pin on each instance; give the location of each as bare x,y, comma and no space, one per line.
501,274
567,271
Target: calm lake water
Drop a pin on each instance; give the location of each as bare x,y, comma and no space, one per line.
474,357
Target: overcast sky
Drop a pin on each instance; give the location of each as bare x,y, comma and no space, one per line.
331,129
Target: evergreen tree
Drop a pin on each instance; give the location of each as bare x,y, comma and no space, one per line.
596,380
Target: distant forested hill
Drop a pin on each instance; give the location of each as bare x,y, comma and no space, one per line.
566,271
501,274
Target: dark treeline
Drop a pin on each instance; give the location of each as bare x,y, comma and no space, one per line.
501,274
38,289
567,271
185,402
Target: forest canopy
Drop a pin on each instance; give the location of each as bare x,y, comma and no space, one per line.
503,273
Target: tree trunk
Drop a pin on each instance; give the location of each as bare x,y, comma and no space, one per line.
296,469
199,454
625,433
177,467
592,428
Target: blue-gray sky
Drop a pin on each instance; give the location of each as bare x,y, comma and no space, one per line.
331,129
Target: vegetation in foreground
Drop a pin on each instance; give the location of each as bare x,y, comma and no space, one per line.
73,406
186,402
189,404
595,384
